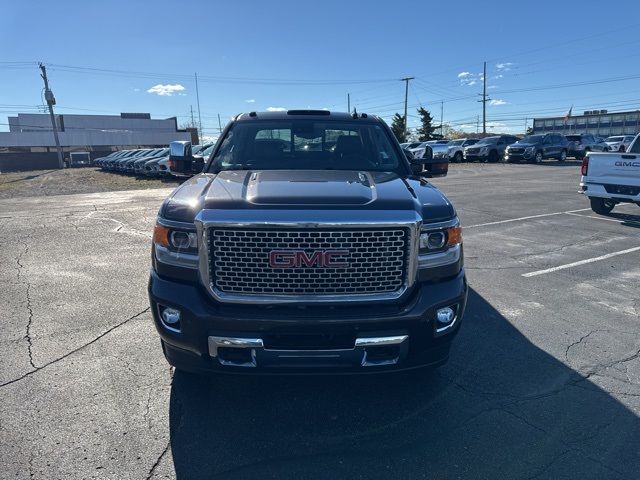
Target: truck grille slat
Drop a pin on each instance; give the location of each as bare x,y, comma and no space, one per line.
376,261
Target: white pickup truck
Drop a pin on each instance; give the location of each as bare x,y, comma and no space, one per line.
612,178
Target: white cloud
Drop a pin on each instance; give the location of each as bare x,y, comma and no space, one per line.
504,66
276,109
472,82
463,74
251,100
166,90
497,102
499,76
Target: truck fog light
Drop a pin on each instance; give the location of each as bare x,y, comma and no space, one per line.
170,316
445,315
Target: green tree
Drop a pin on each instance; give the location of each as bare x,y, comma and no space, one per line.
397,127
425,132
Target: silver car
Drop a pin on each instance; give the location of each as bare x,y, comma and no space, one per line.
619,143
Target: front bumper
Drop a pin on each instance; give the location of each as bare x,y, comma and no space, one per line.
472,157
518,157
218,337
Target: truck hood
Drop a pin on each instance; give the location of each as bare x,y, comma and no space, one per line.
329,190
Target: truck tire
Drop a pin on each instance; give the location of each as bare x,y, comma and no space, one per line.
493,157
457,158
602,206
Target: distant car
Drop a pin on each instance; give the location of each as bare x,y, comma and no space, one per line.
619,143
581,143
409,145
535,148
123,165
138,165
489,149
111,163
419,149
456,148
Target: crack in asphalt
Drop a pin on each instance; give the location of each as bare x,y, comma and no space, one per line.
158,460
579,341
27,337
81,347
28,330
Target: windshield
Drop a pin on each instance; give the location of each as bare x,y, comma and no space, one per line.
614,139
454,143
307,144
532,139
488,141
574,138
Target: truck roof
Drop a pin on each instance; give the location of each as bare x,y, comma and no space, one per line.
306,114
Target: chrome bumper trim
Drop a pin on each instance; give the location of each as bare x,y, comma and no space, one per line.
256,346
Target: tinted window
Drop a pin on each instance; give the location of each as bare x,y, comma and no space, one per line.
307,144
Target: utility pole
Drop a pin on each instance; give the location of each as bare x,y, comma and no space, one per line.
198,100
51,101
219,124
484,99
442,118
193,122
348,102
477,123
406,97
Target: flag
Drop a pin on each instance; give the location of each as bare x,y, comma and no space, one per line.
568,115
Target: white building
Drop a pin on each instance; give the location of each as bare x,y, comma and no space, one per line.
30,132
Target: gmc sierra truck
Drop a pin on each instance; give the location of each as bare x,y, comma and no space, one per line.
611,178
310,242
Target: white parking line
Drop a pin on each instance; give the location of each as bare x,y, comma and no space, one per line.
525,218
581,262
616,220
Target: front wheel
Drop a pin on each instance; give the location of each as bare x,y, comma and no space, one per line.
538,157
493,157
602,206
457,158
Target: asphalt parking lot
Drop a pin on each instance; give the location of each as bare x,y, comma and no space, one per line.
543,382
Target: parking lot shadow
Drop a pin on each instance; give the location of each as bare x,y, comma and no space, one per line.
501,408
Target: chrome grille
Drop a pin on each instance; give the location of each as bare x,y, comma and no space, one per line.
239,261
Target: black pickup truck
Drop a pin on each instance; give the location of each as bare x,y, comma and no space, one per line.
310,242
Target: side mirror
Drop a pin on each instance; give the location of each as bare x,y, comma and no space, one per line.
427,166
181,159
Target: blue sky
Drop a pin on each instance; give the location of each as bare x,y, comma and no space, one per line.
107,57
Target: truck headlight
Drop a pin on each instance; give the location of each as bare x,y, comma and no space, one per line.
483,150
175,239
530,149
440,239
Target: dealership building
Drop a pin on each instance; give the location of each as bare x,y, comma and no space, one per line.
30,143
596,122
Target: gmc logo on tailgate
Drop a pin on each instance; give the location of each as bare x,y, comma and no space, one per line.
315,259
627,164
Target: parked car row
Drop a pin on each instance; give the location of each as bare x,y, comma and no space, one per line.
149,162
532,148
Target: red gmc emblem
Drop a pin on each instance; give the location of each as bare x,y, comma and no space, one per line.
316,259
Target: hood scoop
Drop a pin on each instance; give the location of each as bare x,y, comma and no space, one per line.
310,187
